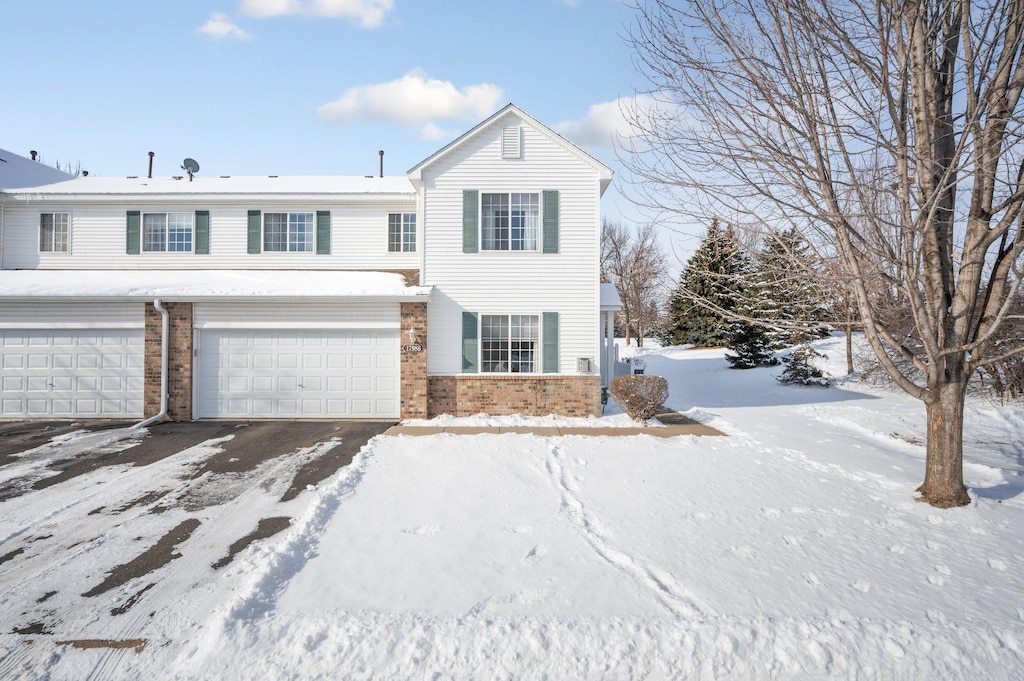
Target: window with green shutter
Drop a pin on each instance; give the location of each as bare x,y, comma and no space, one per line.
202,244
469,343
133,235
255,237
470,220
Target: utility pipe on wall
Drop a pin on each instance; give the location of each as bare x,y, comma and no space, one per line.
165,328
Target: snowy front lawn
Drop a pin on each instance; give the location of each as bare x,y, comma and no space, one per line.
792,549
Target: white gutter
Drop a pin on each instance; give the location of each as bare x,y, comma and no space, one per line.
164,352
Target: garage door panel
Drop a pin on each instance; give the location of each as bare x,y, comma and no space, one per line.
293,373
56,373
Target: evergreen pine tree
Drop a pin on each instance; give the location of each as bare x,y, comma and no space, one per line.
797,306
709,288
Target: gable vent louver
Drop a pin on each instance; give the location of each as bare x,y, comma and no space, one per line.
511,145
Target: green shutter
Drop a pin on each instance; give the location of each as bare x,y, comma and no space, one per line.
551,221
470,219
469,343
133,235
323,232
550,339
255,232
202,242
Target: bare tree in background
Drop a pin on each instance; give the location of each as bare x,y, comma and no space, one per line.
635,263
889,134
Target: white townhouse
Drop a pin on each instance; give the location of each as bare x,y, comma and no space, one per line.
469,285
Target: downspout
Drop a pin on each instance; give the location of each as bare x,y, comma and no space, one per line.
164,352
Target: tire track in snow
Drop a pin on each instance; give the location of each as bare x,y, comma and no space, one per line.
208,543
664,586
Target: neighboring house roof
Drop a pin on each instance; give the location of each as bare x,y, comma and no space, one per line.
233,185
17,171
211,285
604,172
610,301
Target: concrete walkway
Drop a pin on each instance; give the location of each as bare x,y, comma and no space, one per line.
674,424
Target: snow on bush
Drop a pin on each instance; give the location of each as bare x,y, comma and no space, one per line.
800,370
641,396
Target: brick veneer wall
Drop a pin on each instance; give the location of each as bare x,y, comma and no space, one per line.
414,365
179,366
467,394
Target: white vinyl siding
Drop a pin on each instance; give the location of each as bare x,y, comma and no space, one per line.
512,282
359,237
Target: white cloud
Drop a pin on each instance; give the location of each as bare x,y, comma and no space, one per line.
220,26
367,13
414,99
607,123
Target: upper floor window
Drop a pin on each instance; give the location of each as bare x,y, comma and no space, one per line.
509,222
401,232
170,232
53,232
288,232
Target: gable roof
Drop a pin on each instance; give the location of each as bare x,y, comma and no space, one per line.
604,172
17,171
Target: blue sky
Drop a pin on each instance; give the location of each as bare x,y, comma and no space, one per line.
305,87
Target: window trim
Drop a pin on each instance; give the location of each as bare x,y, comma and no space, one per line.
537,359
167,232
310,233
538,232
67,236
402,232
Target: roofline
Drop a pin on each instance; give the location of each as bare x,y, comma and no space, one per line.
605,172
200,298
94,197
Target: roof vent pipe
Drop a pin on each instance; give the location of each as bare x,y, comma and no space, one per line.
35,153
381,152
151,155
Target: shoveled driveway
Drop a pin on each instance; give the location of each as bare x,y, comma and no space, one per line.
94,517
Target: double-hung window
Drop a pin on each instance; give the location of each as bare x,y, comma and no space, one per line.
401,232
53,232
170,232
509,343
291,232
509,222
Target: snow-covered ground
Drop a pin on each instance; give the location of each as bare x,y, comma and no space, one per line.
792,549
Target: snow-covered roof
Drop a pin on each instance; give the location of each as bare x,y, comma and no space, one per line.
17,171
195,285
610,301
264,185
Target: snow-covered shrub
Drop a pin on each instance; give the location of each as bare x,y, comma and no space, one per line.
640,395
800,370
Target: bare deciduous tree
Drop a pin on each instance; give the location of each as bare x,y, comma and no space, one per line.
887,132
635,263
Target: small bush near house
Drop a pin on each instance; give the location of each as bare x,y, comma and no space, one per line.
800,370
641,396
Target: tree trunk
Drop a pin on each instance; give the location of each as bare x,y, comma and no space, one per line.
849,348
943,479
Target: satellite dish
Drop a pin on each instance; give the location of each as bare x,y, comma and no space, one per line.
190,165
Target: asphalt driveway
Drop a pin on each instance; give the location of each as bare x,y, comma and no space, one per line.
94,518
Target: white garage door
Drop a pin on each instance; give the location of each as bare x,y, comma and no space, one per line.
71,373
338,373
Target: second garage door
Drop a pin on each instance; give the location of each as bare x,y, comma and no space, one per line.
279,373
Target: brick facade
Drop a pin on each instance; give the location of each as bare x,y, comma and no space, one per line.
179,365
470,394
414,365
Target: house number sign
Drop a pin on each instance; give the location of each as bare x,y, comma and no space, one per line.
413,348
